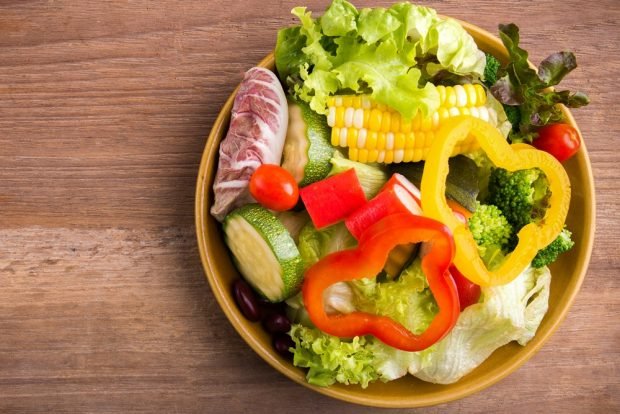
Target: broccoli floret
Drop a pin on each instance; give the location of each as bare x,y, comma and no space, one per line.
492,233
490,70
513,113
522,195
549,254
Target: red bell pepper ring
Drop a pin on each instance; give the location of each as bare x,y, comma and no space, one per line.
366,261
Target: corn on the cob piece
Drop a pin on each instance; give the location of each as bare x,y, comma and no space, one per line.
376,133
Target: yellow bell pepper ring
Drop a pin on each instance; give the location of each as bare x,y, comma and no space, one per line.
532,237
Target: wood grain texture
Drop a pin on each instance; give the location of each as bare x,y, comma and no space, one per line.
104,110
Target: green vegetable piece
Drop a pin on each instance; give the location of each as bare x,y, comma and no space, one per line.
315,244
331,359
520,85
549,254
521,195
307,150
490,70
492,233
264,252
461,183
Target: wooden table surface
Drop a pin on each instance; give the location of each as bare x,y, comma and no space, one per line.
104,110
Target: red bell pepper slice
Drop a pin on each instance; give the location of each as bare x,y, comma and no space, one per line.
366,261
391,199
399,179
330,200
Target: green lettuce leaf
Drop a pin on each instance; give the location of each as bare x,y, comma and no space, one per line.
510,312
332,359
315,244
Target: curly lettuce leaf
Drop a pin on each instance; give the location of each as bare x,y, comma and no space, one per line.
521,85
331,359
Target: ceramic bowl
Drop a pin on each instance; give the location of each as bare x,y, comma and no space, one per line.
568,273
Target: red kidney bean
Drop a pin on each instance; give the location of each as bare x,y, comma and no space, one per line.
246,300
282,342
276,323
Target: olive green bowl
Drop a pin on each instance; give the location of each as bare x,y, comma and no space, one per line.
568,274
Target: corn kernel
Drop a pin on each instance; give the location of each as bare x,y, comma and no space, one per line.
408,156
386,122
330,101
343,137
410,140
339,116
454,111
371,139
335,137
482,95
461,95
399,154
464,110
361,138
472,96
351,137
347,101
357,102
353,154
331,116
348,116
417,154
389,141
338,101
380,141
399,140
374,123
373,155
358,118
362,155
420,140
450,97
381,156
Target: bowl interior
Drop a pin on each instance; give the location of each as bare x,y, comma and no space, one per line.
568,273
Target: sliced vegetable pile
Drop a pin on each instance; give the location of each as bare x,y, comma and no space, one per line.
381,201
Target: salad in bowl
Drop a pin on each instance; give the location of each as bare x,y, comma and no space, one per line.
392,196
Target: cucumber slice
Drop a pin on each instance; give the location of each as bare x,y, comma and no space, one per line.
264,252
307,149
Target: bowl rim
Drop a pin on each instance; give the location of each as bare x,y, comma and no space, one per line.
292,372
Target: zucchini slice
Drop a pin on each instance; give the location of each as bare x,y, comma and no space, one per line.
307,148
264,252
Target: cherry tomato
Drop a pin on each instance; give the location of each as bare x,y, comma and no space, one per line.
274,187
560,140
469,292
